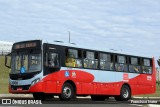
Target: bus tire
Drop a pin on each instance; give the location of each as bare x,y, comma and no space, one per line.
125,94
98,98
39,96
67,92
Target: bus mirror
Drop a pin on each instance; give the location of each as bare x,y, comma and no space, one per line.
8,60
158,61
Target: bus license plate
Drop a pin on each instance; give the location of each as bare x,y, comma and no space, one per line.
19,89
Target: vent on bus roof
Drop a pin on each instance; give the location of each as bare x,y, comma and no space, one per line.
59,41
63,42
73,43
113,49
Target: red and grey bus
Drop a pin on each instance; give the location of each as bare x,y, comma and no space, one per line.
47,69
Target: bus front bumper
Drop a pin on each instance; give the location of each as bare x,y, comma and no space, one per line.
42,87
26,89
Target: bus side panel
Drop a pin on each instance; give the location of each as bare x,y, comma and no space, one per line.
50,87
56,80
87,88
107,88
38,87
133,85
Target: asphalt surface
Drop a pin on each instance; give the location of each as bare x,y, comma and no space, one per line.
79,102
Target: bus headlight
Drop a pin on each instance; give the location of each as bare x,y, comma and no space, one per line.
35,81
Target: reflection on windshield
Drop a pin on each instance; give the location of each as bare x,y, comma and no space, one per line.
21,61
35,62
26,62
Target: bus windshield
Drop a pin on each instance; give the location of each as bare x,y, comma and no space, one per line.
26,62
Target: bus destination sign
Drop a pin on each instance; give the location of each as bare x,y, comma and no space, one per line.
25,45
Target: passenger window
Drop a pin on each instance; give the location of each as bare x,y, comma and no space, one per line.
90,60
121,64
146,68
73,58
105,62
134,65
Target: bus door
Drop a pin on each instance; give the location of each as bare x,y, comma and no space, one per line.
51,60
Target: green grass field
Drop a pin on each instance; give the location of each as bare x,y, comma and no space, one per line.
4,71
156,94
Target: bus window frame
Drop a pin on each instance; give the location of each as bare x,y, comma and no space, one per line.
142,65
124,64
139,64
85,51
46,49
111,60
65,56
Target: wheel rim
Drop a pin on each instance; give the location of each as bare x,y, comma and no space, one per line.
125,93
67,92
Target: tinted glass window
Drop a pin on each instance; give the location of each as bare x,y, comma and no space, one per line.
146,62
121,59
134,61
90,60
53,60
146,68
121,63
73,58
105,62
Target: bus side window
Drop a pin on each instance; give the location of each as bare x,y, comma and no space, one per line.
73,58
121,64
146,68
134,65
90,60
106,62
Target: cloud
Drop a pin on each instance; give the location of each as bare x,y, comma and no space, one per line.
130,26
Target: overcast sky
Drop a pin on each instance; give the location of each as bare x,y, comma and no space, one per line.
131,26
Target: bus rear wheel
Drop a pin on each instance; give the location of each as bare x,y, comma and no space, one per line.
67,92
125,94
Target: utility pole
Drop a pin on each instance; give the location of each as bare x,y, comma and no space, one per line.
69,36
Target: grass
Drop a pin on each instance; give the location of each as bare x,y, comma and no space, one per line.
156,94
4,79
4,71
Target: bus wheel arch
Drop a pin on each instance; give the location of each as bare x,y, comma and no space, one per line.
68,91
125,93
128,86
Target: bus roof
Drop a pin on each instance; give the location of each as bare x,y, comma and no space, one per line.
60,43
91,48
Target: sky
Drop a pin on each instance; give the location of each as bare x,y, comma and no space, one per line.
128,26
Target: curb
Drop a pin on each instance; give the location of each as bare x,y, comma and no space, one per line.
16,95
146,97
153,105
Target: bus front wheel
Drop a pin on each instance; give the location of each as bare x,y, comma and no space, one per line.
67,92
125,94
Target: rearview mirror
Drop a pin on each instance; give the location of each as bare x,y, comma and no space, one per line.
158,61
8,60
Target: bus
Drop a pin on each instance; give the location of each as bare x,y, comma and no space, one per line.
48,69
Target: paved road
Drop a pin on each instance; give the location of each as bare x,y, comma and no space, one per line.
79,102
